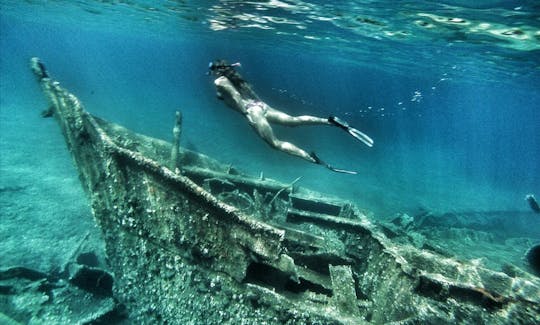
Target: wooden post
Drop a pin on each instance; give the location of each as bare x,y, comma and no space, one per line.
177,131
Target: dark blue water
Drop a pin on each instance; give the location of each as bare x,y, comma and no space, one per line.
453,112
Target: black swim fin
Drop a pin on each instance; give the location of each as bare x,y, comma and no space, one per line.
337,170
359,135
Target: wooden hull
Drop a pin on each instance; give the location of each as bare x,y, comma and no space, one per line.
204,244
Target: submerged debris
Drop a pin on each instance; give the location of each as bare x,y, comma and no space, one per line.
30,296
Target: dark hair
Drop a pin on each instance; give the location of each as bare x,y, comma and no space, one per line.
223,68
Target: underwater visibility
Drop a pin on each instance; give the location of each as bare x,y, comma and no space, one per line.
269,162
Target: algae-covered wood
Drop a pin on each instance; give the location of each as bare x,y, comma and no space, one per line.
204,243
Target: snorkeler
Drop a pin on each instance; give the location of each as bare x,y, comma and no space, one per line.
532,203
237,93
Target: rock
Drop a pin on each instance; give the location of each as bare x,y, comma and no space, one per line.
404,221
533,258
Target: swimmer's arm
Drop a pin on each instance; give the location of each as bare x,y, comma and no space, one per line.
229,94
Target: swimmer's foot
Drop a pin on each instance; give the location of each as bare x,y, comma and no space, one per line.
352,131
318,161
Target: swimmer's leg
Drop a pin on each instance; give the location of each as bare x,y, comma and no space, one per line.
263,128
259,122
278,117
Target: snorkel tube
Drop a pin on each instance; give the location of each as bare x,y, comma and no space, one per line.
219,66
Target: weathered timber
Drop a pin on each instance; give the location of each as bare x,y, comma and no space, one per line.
180,254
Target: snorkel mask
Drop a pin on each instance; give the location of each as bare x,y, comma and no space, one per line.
218,66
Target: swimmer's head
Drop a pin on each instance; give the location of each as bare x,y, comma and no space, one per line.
532,203
219,67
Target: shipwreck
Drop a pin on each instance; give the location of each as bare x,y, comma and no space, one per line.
190,240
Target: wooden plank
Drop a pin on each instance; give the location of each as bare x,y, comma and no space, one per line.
300,236
343,289
298,216
315,205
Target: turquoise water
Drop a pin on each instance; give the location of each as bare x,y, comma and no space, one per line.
450,93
